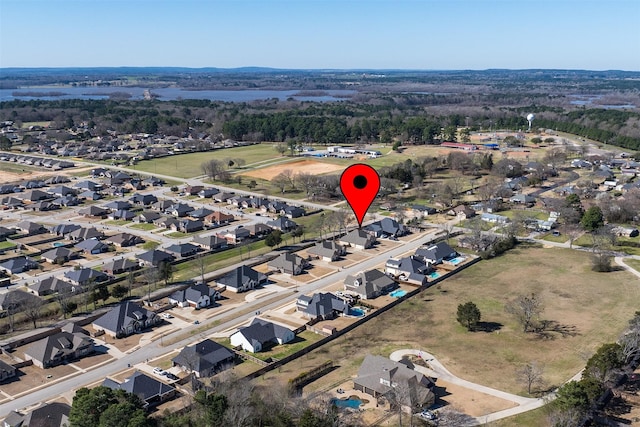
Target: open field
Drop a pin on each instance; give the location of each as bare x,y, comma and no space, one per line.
189,165
585,313
309,166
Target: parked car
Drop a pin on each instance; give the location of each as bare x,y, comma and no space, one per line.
172,376
167,316
159,371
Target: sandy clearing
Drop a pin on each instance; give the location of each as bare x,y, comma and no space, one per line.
309,166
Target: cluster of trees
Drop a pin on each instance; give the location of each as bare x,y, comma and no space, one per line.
576,399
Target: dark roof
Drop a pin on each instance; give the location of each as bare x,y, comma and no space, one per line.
282,223
18,265
56,346
85,275
91,245
436,252
53,414
204,356
59,252
122,315
142,385
193,293
211,241
239,276
200,213
322,304
120,264
376,369
263,331
155,256
182,249
86,233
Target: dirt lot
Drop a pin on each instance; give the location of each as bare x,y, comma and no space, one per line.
309,166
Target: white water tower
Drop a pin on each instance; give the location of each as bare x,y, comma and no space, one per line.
530,118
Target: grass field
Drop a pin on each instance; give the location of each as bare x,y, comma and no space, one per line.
588,309
189,165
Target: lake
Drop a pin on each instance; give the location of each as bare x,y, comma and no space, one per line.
51,93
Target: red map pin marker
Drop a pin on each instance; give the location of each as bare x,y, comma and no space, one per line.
360,184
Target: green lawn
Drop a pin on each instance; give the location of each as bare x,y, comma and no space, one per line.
633,263
143,226
117,222
301,341
189,165
150,244
556,239
7,245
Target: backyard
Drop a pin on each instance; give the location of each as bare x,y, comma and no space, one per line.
583,313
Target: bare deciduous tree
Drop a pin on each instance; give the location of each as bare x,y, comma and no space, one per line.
530,375
526,308
33,310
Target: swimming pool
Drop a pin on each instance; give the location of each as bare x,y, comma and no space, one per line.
351,402
357,312
433,275
398,293
456,260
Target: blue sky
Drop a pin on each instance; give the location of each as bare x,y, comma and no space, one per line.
326,34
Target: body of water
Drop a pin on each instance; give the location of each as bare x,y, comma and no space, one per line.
51,93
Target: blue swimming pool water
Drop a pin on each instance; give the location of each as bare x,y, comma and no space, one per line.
346,403
434,275
398,293
355,311
456,260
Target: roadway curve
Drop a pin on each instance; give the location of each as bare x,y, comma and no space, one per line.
437,370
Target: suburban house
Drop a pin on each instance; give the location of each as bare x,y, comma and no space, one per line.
358,239
236,235
182,250
218,218
85,276
18,265
322,305
254,337
292,212
155,257
119,266
328,250
6,371
422,210
369,284
54,414
64,229
386,227
288,263
437,253
200,213
92,246
59,348
51,285
179,210
122,214
124,240
187,225
205,358
94,212
193,190
143,199
17,298
408,269
379,376
147,217
162,205
58,255
282,223
523,199
165,221
85,234
207,193
211,242
148,389
30,228
494,218
462,212
242,279
259,229
125,319
196,296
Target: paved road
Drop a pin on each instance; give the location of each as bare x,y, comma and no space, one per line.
153,349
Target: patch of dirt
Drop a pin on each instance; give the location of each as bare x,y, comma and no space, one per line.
309,166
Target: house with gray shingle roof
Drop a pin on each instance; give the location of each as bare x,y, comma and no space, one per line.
282,223
242,279
288,263
18,265
54,414
92,246
84,276
154,257
125,319
85,234
6,371
205,358
369,284
51,285
196,296
211,242
408,269
322,305
148,389
378,376
58,255
386,227
358,239
260,332
121,265
328,250
59,348
435,254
